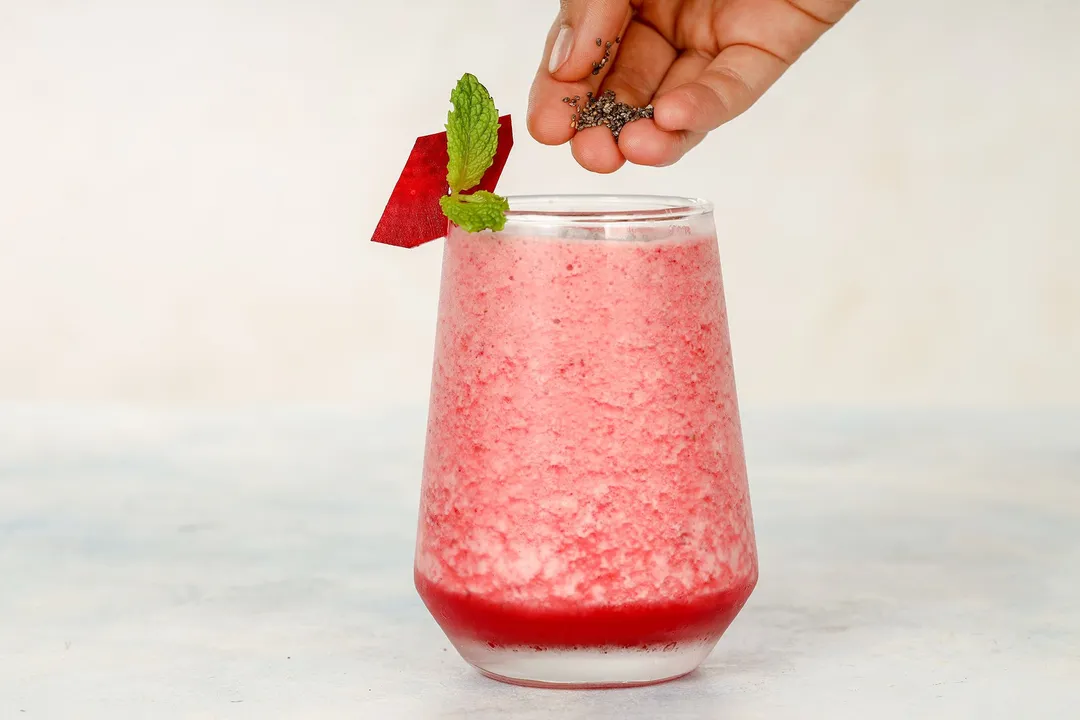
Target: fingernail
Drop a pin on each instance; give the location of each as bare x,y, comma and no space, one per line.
560,52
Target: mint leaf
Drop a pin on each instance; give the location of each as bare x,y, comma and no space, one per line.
472,134
472,140
481,210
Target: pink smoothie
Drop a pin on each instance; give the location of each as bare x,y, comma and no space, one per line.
584,480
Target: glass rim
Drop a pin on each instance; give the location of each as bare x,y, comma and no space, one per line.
601,208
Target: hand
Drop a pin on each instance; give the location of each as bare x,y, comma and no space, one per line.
699,62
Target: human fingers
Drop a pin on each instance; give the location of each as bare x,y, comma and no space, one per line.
566,68
758,40
644,142
725,89
643,60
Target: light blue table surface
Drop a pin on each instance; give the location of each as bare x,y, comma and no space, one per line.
914,565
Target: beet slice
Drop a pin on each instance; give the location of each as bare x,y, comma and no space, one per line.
412,216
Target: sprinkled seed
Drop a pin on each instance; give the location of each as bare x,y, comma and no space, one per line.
606,111
618,39
598,66
599,42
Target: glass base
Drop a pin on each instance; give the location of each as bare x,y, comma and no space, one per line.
585,667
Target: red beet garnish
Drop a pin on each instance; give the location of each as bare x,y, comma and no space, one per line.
412,216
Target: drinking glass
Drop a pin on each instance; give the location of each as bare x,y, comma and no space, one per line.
585,516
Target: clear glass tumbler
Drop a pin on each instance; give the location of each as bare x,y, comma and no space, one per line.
585,517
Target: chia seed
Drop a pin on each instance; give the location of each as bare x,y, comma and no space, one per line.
606,111
598,66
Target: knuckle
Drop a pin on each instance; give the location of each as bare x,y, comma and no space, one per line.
730,88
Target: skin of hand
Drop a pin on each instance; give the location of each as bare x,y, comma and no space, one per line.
700,63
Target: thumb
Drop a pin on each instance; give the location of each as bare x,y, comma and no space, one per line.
580,23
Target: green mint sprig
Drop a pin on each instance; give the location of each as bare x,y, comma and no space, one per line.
472,137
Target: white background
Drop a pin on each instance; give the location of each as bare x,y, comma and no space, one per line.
187,191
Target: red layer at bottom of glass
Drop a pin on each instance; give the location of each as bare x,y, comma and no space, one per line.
702,618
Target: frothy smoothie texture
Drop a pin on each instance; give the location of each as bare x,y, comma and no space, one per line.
584,486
